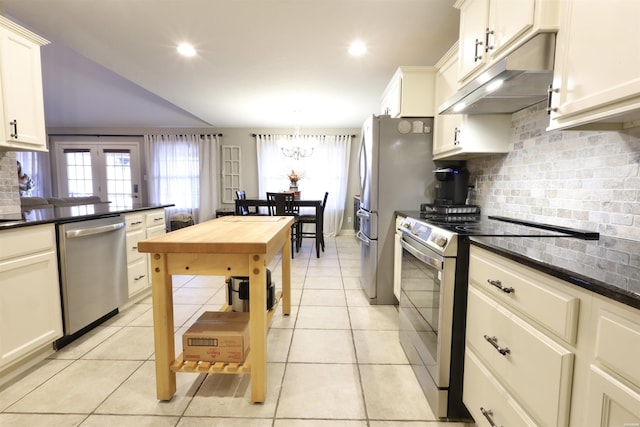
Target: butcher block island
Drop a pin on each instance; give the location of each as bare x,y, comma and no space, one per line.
227,246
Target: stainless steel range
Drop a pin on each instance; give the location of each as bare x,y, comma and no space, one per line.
431,323
433,297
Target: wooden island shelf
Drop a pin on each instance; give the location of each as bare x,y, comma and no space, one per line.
181,365
227,246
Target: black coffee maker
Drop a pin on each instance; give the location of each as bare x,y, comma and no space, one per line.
452,186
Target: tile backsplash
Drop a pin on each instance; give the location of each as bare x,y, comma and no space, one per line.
9,195
580,179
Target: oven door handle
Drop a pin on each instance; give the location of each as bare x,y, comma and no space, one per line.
426,259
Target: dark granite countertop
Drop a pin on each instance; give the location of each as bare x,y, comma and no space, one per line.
609,266
56,215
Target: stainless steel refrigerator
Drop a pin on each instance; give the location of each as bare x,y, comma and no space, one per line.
396,173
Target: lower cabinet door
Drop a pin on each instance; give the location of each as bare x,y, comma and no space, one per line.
611,403
489,403
30,308
535,369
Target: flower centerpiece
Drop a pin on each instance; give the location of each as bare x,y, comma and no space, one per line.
294,177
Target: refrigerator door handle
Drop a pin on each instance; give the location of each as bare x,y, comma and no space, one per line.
362,214
362,238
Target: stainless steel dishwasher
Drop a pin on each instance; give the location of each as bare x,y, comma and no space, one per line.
93,273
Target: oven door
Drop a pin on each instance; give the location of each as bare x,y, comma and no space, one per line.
426,306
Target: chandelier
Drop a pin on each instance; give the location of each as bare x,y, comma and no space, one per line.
296,146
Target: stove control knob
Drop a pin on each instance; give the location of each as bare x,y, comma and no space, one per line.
440,240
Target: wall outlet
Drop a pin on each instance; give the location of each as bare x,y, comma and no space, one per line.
349,219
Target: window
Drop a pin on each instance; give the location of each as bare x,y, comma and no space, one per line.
109,169
79,173
119,185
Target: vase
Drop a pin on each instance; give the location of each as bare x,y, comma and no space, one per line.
293,186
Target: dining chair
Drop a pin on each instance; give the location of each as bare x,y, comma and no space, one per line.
282,204
241,195
246,210
313,220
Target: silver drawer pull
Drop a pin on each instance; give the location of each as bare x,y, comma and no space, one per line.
498,284
488,413
139,277
494,342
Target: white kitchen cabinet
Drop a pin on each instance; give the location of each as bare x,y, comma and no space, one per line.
515,351
31,317
459,136
613,397
137,262
596,79
141,225
520,323
155,226
22,126
410,93
583,347
489,29
487,400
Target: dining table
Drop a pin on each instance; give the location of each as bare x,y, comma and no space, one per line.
226,246
254,204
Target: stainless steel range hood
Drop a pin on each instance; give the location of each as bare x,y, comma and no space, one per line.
517,81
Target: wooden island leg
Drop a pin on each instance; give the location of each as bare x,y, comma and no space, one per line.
258,327
286,275
162,298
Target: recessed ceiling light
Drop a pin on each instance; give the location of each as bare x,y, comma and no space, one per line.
357,48
185,49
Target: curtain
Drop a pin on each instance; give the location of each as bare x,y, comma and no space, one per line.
182,170
326,169
37,165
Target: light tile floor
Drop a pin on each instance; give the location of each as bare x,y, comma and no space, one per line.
335,361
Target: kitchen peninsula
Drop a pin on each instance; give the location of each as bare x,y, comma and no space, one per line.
30,285
227,246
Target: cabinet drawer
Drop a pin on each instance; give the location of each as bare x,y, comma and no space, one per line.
534,368
133,237
485,398
617,344
155,218
134,222
138,275
531,292
611,403
27,240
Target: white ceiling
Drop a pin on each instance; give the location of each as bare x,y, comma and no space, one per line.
113,62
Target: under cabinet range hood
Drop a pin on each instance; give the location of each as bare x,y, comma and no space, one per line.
517,81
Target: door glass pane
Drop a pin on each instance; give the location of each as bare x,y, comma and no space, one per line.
118,168
79,178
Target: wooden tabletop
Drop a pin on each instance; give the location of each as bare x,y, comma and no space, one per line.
225,235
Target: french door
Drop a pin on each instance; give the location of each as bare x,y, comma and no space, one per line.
110,170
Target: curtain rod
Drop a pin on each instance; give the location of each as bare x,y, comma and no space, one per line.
125,135
256,134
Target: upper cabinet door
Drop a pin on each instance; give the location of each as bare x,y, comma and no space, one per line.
22,106
597,69
508,19
474,18
490,29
